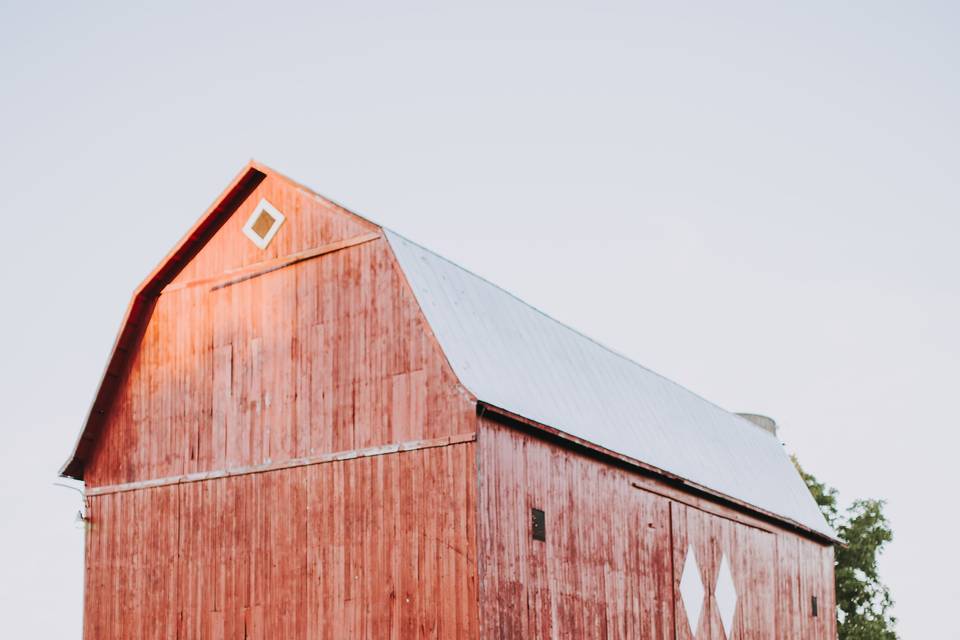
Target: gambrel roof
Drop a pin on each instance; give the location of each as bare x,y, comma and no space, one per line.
512,356
519,361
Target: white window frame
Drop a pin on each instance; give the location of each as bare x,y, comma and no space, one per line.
278,218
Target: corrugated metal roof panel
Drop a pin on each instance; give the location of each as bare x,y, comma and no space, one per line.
512,356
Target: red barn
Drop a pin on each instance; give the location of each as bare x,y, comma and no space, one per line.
311,427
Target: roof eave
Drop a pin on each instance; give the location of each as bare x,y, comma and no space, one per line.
141,306
670,478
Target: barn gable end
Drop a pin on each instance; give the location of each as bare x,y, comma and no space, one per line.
250,356
311,222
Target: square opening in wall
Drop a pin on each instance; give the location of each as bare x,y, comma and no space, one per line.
263,224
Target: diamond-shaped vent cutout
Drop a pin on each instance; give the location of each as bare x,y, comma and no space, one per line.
726,595
263,224
691,590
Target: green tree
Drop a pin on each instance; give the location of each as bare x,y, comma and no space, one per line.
863,601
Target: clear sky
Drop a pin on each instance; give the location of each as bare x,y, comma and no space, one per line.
756,199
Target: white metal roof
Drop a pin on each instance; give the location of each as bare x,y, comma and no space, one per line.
512,356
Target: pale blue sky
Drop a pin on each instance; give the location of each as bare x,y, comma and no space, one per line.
756,199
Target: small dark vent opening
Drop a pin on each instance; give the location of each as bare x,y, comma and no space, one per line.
538,524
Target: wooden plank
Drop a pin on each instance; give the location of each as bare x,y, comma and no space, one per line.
132,566
369,452
242,274
702,504
788,608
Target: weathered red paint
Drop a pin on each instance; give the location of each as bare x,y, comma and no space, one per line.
281,450
615,548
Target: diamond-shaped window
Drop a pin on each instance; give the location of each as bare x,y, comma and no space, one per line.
691,590
726,595
263,224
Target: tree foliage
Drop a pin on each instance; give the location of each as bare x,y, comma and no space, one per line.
864,603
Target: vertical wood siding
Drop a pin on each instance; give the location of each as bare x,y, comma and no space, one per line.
330,354
751,555
789,611
131,565
816,579
614,554
379,547
604,570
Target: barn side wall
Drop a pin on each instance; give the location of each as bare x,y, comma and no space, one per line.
330,354
374,547
615,548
